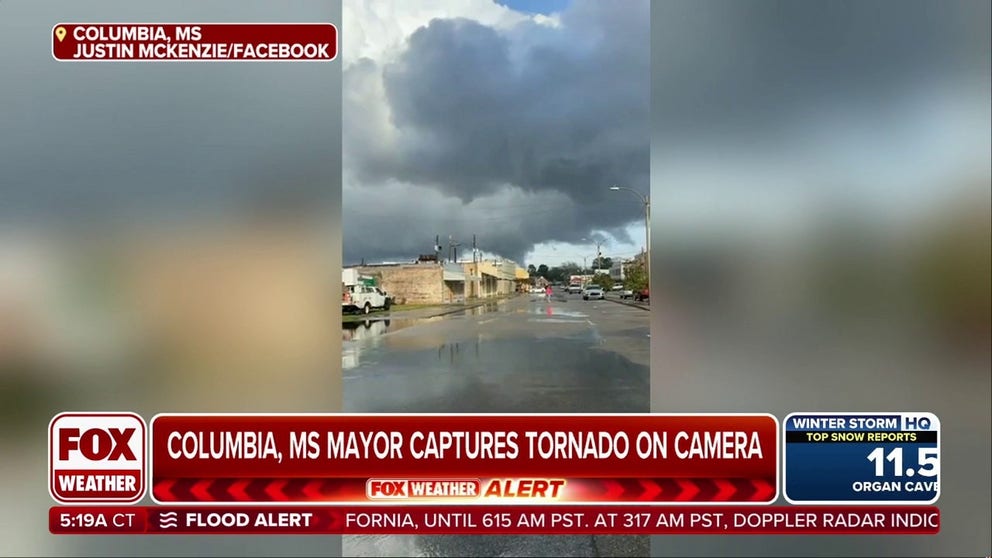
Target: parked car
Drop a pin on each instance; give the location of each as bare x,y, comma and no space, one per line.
594,293
626,293
537,290
363,299
642,296
574,289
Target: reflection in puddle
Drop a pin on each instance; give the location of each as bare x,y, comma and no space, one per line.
360,330
349,361
554,311
363,334
363,330
483,309
453,352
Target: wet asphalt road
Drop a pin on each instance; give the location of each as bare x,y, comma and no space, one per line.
520,355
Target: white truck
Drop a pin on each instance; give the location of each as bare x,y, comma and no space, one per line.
358,294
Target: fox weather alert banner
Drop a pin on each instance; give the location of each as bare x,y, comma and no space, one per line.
461,459
501,474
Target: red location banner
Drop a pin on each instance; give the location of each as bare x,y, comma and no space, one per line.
501,520
78,42
464,459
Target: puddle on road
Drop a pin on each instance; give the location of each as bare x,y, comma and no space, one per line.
553,311
486,374
505,375
374,327
362,338
551,315
361,330
480,310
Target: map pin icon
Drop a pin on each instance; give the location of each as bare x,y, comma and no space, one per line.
60,33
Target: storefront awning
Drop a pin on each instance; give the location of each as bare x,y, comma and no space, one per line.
454,273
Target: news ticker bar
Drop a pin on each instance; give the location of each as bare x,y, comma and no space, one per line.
502,520
490,459
150,42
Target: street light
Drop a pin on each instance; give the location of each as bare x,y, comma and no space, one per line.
599,252
647,227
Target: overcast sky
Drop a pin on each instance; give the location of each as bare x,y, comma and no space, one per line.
510,120
469,117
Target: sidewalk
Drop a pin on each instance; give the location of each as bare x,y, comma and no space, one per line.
429,311
630,302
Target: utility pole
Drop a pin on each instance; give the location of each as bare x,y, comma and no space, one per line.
453,249
476,287
646,200
599,253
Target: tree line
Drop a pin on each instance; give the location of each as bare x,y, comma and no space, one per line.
635,278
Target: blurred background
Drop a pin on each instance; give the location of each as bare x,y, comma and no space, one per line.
820,180
169,242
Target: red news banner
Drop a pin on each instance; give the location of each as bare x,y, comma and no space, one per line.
499,520
464,459
194,41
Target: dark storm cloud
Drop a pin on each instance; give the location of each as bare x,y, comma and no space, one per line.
399,221
562,119
560,112
105,139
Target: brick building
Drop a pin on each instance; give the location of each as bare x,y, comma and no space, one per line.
419,283
431,282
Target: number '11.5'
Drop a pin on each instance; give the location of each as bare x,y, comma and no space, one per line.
926,457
